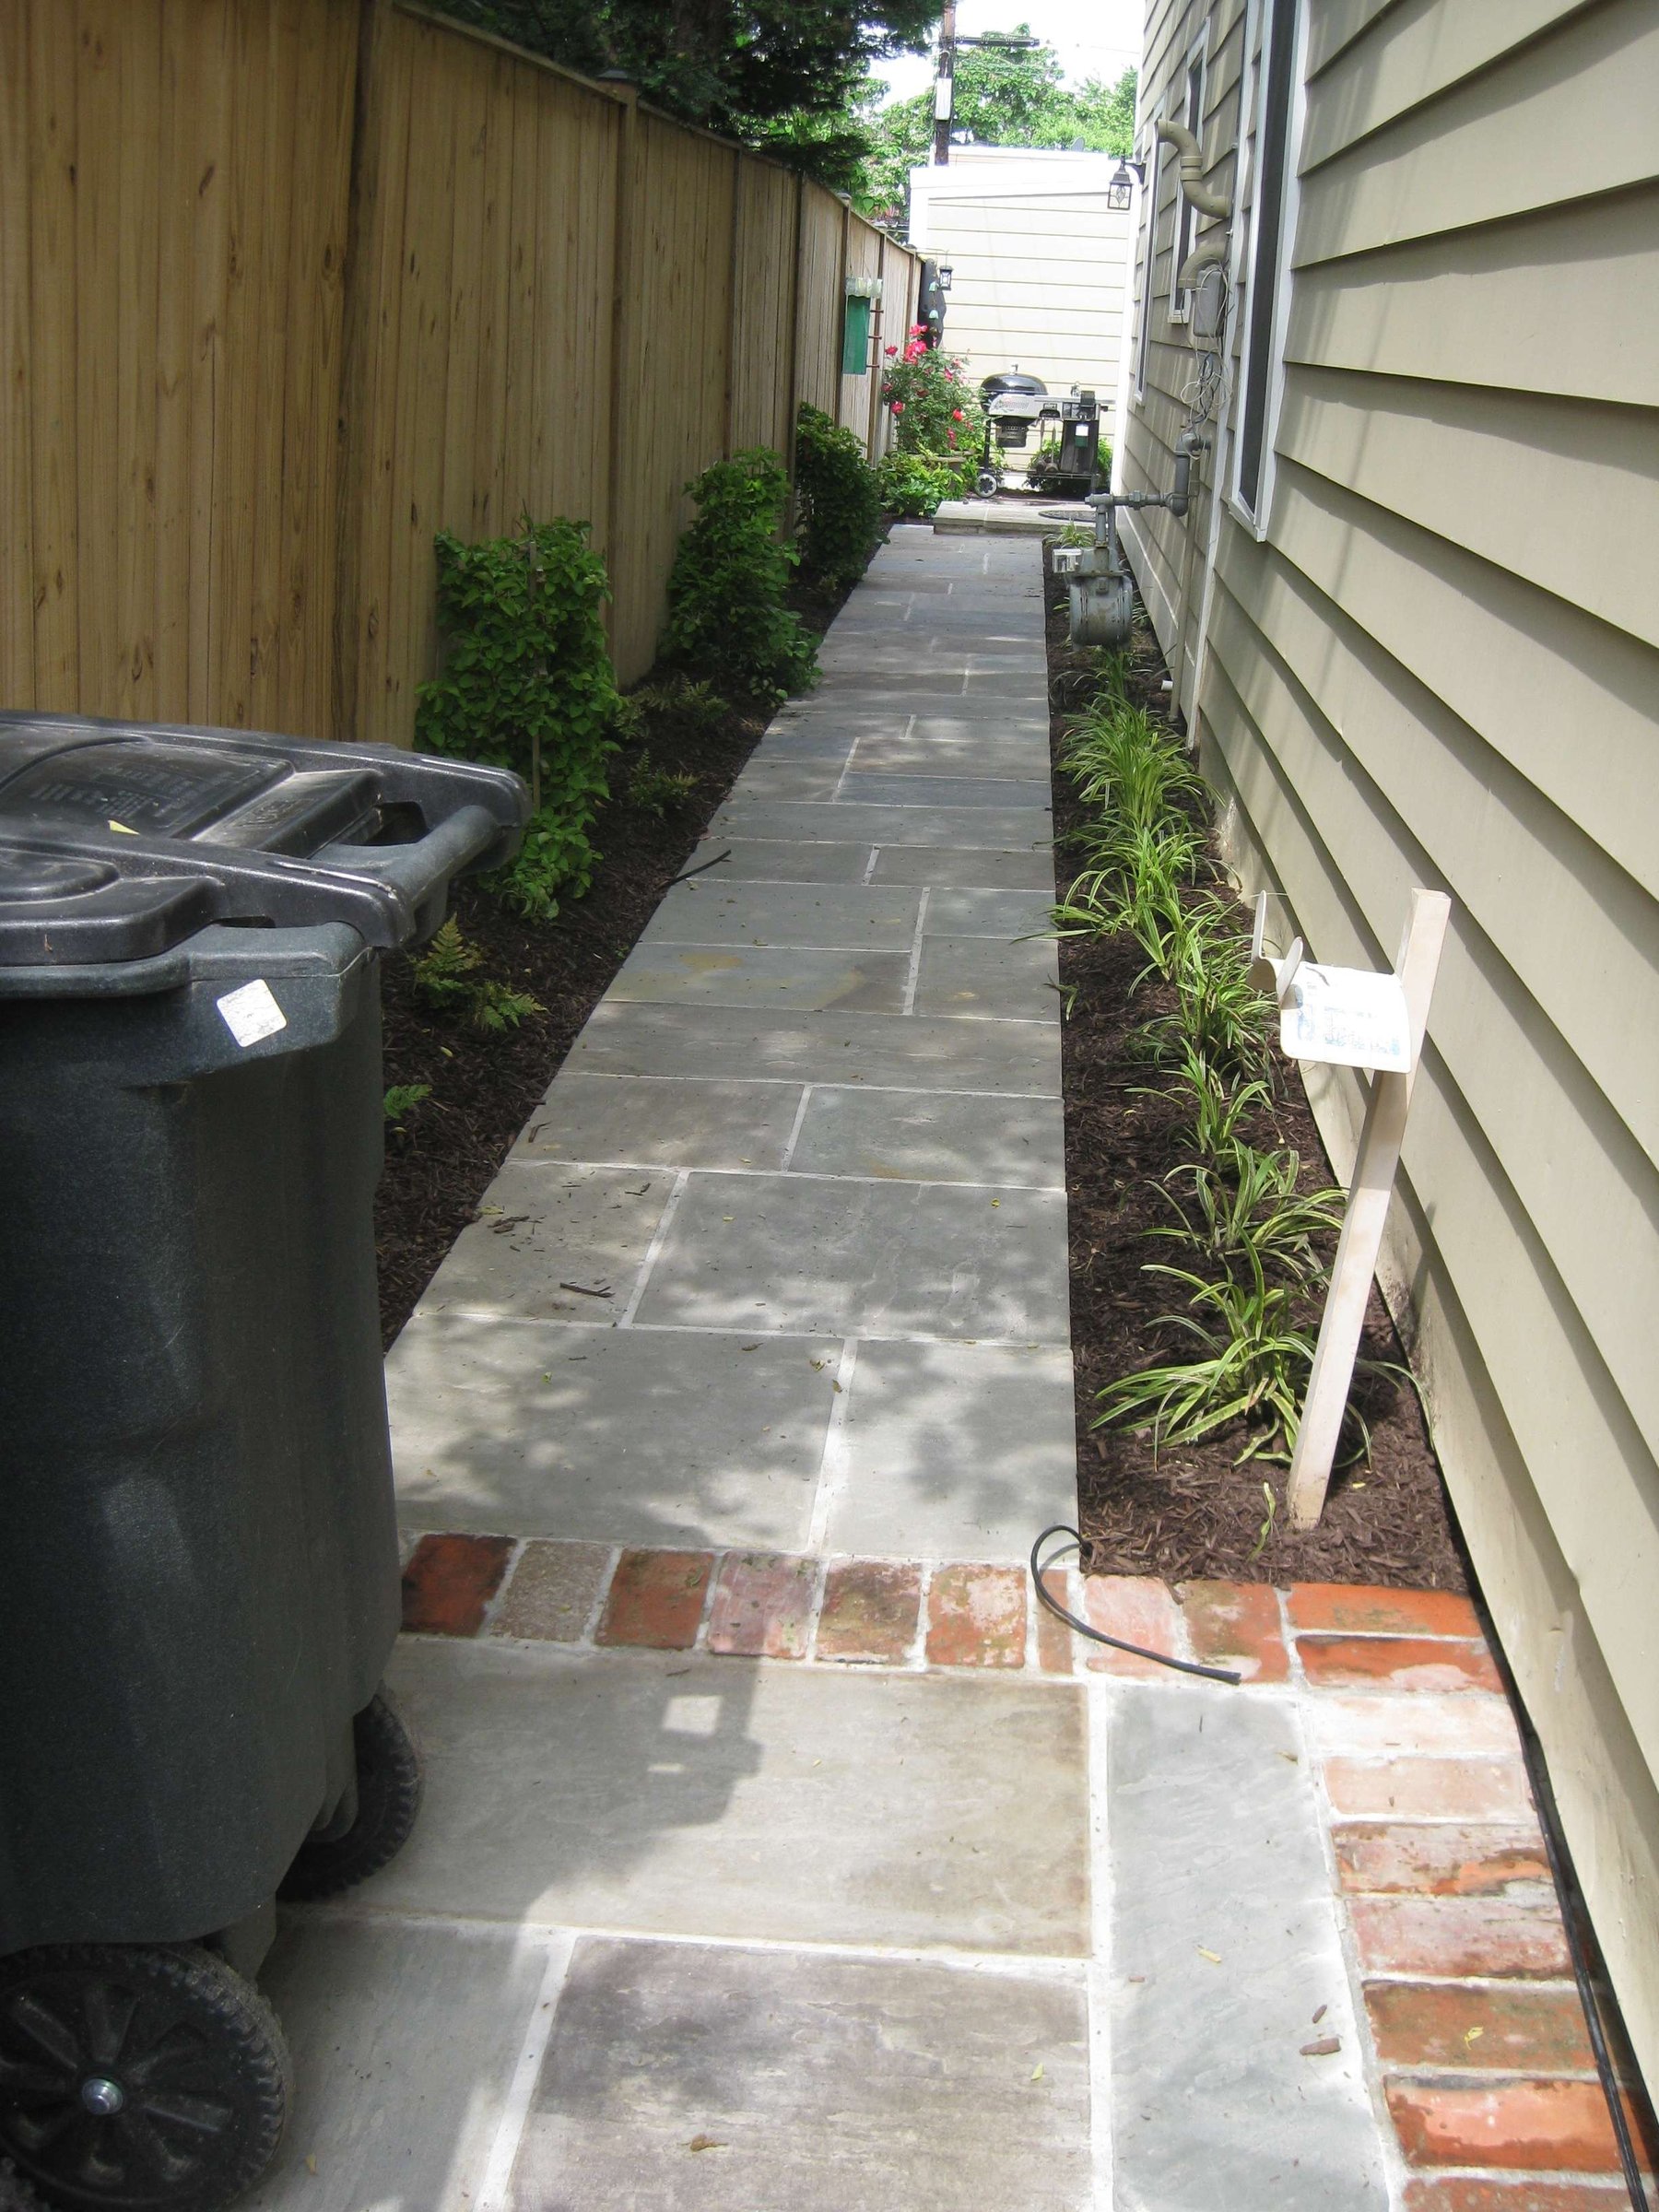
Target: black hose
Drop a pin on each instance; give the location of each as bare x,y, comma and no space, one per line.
700,867
1566,1896
1039,1567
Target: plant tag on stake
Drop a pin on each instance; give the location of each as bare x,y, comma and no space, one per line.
1346,1016
251,1013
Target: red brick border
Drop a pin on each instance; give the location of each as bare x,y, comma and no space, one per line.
1473,2018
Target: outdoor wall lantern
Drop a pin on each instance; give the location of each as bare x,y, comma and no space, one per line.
1121,190
944,276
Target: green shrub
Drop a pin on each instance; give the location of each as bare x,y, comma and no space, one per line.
725,595
841,510
915,483
527,684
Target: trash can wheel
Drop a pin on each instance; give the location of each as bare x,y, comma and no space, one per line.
388,1785
988,484
138,2075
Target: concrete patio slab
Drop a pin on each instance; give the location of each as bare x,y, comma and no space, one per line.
987,913
1032,869
543,1225
954,1451
661,1123
788,821
985,977
671,1794
714,910
433,2019
791,978
1227,1959
896,1050
624,1436
932,1136
793,1252
865,2084
904,787
758,860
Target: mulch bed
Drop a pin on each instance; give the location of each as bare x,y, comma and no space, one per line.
1190,1511
442,1158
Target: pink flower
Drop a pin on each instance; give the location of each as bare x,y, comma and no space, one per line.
898,406
956,413
892,349
951,435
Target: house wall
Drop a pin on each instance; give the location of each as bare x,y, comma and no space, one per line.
286,285
1439,664
1038,260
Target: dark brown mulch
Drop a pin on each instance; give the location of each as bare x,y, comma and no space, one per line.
1192,1511
441,1161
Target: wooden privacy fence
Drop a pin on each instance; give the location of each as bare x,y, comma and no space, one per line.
286,286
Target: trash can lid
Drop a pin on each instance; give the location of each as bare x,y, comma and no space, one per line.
120,839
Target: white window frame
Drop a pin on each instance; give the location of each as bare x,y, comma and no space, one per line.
1186,214
1142,335
1256,519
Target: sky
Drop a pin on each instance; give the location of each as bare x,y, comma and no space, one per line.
1093,38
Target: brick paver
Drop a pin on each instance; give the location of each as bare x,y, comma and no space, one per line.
871,1610
1460,1936
656,1599
1395,1663
1446,1860
450,1580
1541,2126
1451,1789
1140,1610
1237,1625
553,1592
1358,1609
762,1605
976,1616
1517,2028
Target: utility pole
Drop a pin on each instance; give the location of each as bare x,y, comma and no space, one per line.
943,87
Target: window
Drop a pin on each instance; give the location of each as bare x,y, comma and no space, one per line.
1180,303
1273,233
1149,210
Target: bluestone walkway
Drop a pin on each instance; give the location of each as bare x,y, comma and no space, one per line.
778,1271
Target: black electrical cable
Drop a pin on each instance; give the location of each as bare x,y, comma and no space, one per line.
1039,1566
1566,1889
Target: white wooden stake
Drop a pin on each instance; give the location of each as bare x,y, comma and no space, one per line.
1361,1238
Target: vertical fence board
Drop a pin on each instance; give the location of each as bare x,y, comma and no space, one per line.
98,348
54,405
16,551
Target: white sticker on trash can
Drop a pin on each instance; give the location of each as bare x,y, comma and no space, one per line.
251,1013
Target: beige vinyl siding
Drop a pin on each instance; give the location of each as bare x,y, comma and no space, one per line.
1439,664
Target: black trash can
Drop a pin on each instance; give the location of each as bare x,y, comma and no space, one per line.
201,1578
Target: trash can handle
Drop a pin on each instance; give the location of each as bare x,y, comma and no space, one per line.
469,837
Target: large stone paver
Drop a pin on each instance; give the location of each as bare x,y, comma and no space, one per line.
861,2085
622,1435
543,1225
877,1258
719,910
1226,1948
806,822
934,1136
661,1121
794,978
699,1796
906,1054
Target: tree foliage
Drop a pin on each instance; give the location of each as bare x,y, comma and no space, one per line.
782,74
1004,97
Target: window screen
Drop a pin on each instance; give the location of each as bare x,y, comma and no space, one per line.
1266,275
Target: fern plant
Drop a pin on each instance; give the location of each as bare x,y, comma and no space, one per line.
446,974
